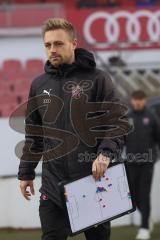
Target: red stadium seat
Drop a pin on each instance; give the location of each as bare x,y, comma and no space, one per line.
125,3
7,110
8,99
14,65
15,83
21,88
10,68
55,1
1,75
18,79
7,104
5,88
26,1
34,67
9,86
32,64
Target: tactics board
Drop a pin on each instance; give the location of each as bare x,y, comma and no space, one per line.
91,202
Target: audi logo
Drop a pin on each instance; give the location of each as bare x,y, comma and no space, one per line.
46,101
133,27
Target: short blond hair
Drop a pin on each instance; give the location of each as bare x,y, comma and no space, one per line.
58,23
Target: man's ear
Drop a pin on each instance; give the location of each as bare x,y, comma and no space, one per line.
75,43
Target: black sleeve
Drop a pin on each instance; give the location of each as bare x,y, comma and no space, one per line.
33,141
111,147
156,129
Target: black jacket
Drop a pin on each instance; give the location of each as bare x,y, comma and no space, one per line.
68,88
141,144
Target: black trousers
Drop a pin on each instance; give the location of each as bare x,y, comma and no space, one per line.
141,181
55,225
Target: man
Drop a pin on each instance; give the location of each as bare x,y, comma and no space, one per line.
113,3
141,155
70,78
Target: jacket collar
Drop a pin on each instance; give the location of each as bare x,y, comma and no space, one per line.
83,60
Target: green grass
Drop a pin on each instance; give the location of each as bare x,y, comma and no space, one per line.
118,233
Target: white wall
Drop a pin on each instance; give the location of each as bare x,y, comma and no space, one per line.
21,48
15,211
8,141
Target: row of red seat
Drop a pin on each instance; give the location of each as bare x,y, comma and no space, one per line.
13,69
15,80
15,66
9,103
37,1
73,3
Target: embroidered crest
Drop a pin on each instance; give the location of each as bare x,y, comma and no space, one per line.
146,120
77,91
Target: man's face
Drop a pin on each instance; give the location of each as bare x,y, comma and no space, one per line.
138,104
59,47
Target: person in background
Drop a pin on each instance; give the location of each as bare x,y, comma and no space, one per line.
141,150
146,3
86,4
113,3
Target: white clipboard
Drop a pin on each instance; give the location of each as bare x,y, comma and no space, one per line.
91,202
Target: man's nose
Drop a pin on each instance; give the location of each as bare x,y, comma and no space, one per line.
53,48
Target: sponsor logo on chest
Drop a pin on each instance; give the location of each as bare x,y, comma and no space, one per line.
146,120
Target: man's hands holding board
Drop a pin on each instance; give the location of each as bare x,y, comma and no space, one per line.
100,166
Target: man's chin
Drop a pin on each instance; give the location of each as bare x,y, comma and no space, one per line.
55,63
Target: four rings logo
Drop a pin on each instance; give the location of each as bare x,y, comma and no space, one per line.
122,27
46,101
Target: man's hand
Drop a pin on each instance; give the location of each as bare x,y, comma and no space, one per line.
99,166
24,185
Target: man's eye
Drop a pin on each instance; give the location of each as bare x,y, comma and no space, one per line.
47,45
59,44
